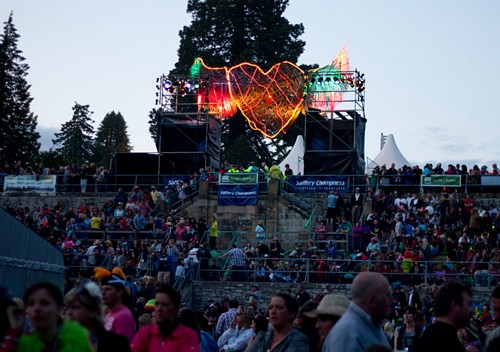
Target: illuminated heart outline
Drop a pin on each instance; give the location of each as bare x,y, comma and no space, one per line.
270,100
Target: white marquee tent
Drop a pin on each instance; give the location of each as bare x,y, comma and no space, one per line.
295,157
389,154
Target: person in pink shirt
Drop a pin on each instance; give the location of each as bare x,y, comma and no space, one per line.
119,319
167,334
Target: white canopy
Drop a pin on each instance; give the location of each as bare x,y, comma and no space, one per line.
295,158
389,154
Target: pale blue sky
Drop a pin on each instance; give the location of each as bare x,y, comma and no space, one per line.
431,67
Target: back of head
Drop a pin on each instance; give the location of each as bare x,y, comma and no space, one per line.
233,303
364,284
446,294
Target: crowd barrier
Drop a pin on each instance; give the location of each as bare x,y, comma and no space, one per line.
295,184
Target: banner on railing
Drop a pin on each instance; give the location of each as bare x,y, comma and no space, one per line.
173,180
318,184
441,181
238,194
42,183
490,180
232,178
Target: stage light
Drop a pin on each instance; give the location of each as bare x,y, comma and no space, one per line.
196,86
328,80
188,85
336,80
167,85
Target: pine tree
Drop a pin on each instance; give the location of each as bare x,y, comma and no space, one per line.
75,141
18,136
228,32
111,138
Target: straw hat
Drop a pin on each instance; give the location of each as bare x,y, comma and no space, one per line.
331,304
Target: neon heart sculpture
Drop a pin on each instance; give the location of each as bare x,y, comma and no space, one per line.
270,100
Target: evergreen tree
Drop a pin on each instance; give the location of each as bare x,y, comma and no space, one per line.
18,136
154,120
228,32
111,138
75,142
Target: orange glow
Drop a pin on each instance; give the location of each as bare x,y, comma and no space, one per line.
270,100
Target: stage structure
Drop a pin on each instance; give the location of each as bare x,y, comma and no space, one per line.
331,97
188,136
335,120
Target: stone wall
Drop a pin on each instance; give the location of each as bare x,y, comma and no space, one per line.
202,291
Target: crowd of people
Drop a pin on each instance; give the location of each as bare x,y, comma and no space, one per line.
99,315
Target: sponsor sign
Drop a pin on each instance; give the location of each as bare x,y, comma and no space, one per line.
318,184
42,183
490,180
237,178
441,181
238,194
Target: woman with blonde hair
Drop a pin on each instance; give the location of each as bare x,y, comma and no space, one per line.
84,305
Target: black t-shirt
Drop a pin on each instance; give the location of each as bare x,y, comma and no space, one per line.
439,337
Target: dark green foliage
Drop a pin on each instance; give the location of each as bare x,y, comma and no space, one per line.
18,136
75,142
111,138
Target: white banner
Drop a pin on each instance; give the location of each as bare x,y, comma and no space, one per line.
30,183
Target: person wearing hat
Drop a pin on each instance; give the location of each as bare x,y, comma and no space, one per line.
327,313
119,319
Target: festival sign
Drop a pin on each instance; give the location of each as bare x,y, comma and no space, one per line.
490,180
42,183
441,181
236,178
173,180
319,184
238,194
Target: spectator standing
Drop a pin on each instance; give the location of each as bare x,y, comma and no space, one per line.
84,305
167,334
225,319
302,296
357,205
283,309
327,313
331,208
452,308
260,231
236,256
214,233
492,343
44,303
361,325
119,319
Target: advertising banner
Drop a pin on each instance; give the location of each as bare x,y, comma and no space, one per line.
441,181
33,183
318,184
490,180
237,178
238,194
173,181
